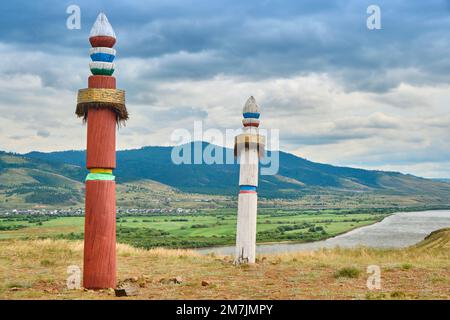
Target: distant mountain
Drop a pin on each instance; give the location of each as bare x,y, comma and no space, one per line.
446,180
296,175
147,177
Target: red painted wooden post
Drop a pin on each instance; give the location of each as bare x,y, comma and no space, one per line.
102,106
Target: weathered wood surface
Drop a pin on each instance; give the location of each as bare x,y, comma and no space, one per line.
102,82
99,270
246,228
101,139
248,172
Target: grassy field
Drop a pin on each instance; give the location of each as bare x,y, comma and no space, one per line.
37,269
216,227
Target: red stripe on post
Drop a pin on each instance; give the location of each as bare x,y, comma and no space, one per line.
102,41
102,82
101,139
100,235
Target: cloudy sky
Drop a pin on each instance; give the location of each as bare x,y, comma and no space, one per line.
338,92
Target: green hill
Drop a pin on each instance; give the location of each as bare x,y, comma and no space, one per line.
296,175
439,239
24,180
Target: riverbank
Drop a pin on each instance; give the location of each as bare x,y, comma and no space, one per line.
208,229
213,230
398,230
263,243
37,269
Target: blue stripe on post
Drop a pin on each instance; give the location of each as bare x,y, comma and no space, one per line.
247,188
105,57
251,115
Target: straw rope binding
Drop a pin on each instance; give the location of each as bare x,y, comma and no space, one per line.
113,99
247,141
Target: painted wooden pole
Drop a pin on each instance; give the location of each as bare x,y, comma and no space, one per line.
249,147
102,106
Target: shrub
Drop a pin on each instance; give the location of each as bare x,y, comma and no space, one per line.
406,266
347,272
47,263
199,226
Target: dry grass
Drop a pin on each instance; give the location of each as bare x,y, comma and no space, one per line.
37,270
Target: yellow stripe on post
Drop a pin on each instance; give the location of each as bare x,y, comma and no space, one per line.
98,170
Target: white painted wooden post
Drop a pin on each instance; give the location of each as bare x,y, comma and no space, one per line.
248,146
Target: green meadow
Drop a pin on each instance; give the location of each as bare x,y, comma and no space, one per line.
207,228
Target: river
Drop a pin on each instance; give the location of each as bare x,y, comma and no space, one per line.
396,231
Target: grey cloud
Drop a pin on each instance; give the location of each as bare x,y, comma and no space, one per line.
253,38
171,53
43,133
323,139
373,121
18,137
179,112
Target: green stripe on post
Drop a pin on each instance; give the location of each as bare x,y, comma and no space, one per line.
100,176
102,72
